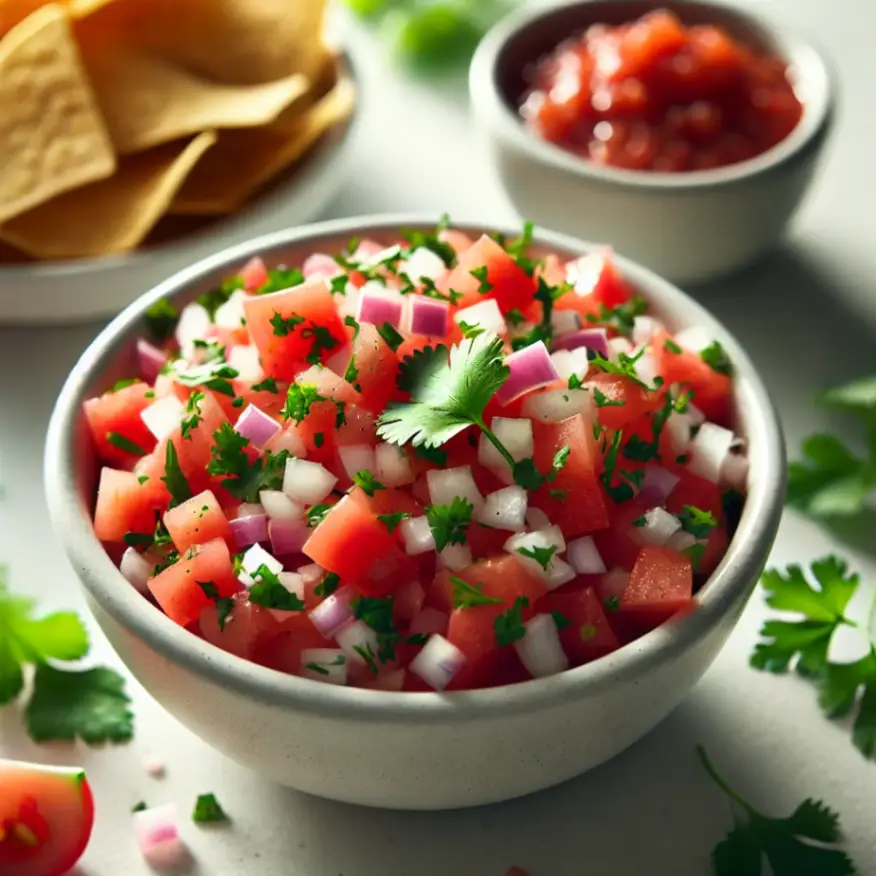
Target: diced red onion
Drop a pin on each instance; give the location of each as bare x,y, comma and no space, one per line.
379,308
438,662
158,837
333,612
356,458
278,506
244,359
288,536
150,360
332,661
422,262
485,314
392,466
230,313
505,509
455,557
565,322
594,339
569,362
154,766
417,536
163,416
536,519
709,449
256,425
530,368
556,405
429,317
319,264
516,436
658,527
428,621
137,568
584,557
680,541
253,558
249,530
658,484
447,484
357,634
307,482
540,650
734,471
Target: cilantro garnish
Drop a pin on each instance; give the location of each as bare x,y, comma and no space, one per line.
224,604
449,522
465,595
366,482
211,301
391,335
432,454
519,246
269,384
514,317
561,457
323,339
697,522
353,324
417,639
316,514
377,613
328,584
125,444
542,555
161,319
215,374
560,620
611,603
470,330
621,318
365,652
639,450
341,414
207,810
284,325
508,627
601,399
318,440
623,491
173,477
715,356
546,295
245,477
299,398
123,383
800,843
194,417
391,521
625,367
139,807
269,592
480,274
526,475
209,588
444,251
575,382
430,290
279,279
670,345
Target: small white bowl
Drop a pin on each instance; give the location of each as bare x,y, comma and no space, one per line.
406,750
56,292
688,226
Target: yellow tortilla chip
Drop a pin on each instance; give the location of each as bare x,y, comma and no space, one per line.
14,11
243,161
147,101
112,215
52,138
239,42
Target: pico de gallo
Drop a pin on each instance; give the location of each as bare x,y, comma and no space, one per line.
653,94
439,464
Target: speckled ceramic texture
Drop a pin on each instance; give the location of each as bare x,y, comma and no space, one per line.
688,227
417,750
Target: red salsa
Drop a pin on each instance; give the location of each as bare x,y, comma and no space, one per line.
656,95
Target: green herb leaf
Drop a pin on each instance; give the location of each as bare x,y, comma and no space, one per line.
715,356
244,477
269,592
561,457
269,384
299,399
470,330
560,621
466,595
366,482
173,477
526,475
214,374
124,444
139,807
391,521
328,584
449,523
508,627
601,399
123,384
323,340
211,301
697,522
621,318
625,367
391,335
207,810
316,514
444,251
541,555
432,454
285,325
670,345
161,319
480,274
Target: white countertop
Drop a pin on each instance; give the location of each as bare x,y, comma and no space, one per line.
807,317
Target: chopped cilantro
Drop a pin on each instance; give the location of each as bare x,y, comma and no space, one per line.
432,454
541,555
173,477
391,521
623,491
318,439
316,514
625,367
299,398
328,584
561,457
322,340
470,330
514,317
480,274
123,383
211,301
139,807
611,603
215,374
209,588
269,592
695,552
284,325
338,284
281,278
137,539
391,335
465,595
224,606
508,627
526,475
269,384
430,290
417,639
161,319
444,251
366,482
244,477
125,444
715,356
340,414
697,522
518,247
207,810
141,479
560,621
449,522
640,521
602,400
365,652
670,345
353,324
575,382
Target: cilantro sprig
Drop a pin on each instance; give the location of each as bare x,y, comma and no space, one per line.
467,595
244,477
449,523
208,810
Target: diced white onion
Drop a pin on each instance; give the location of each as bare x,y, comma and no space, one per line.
254,557
644,328
646,368
564,322
515,434
505,509
417,535
709,449
658,527
287,439
293,582
680,541
357,634
438,662
485,314
619,345
680,424
137,568
555,405
392,466
278,506
422,262
540,650
356,458
569,362
536,519
244,359
307,482
558,571
163,416
447,484
193,324
230,313
332,662
311,573
734,472
456,557
693,338
583,556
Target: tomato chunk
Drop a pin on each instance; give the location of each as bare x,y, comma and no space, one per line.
588,634
117,413
660,584
196,521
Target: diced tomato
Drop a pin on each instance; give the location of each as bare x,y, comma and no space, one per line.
117,412
716,547
660,585
596,274
582,509
388,501
254,274
457,239
511,286
376,369
412,343
283,652
196,521
501,577
408,600
472,630
625,400
588,634
176,588
123,505
354,544
46,818
617,542
310,326
245,628
695,491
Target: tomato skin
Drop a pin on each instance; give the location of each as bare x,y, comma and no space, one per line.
123,505
377,367
631,401
195,521
590,635
119,411
661,584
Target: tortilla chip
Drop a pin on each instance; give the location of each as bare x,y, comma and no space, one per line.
113,215
243,161
147,101
238,42
52,137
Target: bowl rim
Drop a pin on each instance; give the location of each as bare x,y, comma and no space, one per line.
723,594
491,104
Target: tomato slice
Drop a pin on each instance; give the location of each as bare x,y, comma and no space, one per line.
46,817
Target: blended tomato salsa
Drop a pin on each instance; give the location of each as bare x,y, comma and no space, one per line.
438,464
656,95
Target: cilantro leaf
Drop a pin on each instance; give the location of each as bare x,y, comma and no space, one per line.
621,318
173,477
508,627
857,397
715,356
124,444
417,239
268,591
447,396
526,475
432,454
839,693
601,399
316,514
214,374
625,367
697,522
90,704
560,620
245,477
366,482
623,491
207,810
279,279
541,555
391,335
391,521
285,325
786,843
161,319
299,399
323,339
328,584
466,595
211,301
449,522
561,457
269,384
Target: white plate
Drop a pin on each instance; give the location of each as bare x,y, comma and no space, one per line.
70,291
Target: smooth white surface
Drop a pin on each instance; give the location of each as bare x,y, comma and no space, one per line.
807,317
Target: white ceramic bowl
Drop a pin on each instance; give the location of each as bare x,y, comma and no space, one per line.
688,227
405,750
77,290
